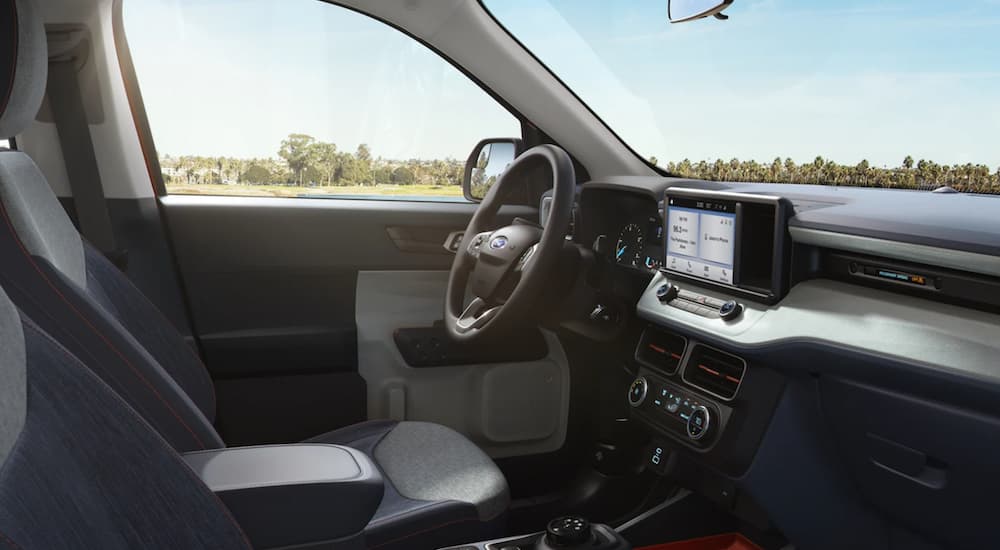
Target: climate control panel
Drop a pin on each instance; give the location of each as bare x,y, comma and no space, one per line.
674,409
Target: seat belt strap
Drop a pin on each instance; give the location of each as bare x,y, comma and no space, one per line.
70,117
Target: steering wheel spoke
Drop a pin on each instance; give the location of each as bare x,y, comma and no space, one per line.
476,243
525,260
476,315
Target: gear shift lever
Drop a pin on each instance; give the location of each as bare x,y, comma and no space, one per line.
568,532
564,533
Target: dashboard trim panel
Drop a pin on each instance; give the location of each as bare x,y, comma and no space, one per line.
920,253
939,337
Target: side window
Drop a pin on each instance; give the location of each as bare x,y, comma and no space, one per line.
301,98
4,144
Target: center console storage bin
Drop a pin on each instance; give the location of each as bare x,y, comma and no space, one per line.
303,494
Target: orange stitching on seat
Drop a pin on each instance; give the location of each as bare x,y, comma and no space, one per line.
10,226
206,378
140,420
10,542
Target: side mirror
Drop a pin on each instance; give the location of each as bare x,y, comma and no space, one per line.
488,160
688,10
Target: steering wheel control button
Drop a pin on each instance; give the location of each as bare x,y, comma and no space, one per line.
568,531
698,422
730,310
637,391
667,292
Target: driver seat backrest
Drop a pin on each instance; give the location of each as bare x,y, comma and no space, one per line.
80,469
68,287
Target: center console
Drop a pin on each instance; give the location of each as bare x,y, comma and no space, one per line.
301,495
725,262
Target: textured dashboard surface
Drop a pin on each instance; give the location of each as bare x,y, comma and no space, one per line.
918,332
955,221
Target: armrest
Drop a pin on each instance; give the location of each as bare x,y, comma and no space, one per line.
299,494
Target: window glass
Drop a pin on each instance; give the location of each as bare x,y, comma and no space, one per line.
4,144
302,98
894,93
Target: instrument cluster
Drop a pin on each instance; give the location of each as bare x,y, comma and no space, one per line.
639,243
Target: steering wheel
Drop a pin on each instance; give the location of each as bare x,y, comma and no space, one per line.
505,269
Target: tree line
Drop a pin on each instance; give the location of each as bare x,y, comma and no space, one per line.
910,174
302,160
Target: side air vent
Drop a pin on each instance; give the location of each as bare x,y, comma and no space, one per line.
660,350
715,372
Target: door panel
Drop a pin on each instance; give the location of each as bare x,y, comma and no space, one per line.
272,285
509,409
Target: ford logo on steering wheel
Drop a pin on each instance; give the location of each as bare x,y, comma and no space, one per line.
498,242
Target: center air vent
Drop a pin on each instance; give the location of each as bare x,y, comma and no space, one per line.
660,350
715,372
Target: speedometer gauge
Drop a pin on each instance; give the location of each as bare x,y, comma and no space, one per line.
628,250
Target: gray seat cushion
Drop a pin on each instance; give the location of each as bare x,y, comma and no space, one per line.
440,489
432,462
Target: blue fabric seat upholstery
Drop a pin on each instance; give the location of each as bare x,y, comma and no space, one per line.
436,495
80,469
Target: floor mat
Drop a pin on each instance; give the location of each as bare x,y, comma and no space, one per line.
731,541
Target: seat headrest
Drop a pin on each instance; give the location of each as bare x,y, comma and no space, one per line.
24,65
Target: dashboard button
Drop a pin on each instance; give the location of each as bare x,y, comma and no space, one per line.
704,311
667,292
698,422
637,391
672,407
714,302
730,310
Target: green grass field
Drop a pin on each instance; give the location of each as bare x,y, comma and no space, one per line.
293,191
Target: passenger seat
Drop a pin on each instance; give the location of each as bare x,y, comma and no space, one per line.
79,468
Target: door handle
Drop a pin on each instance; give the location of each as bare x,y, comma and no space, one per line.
453,241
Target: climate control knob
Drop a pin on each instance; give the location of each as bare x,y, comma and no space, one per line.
637,391
699,422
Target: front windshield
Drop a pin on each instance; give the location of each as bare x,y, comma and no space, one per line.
902,94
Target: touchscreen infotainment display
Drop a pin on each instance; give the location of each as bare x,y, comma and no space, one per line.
701,238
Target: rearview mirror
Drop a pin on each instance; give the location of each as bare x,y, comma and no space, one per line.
688,10
488,160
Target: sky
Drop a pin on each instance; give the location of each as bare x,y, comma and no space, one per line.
234,77
844,79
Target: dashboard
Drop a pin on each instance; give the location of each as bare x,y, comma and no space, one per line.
764,323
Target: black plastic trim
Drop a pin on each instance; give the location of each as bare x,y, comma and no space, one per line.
431,347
